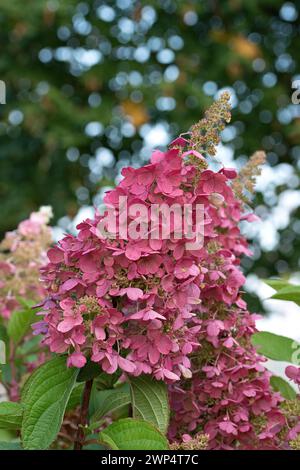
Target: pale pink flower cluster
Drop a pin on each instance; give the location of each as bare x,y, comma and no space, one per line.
22,253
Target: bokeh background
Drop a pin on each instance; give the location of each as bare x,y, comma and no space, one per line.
93,86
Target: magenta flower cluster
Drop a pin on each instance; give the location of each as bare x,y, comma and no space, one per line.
230,397
151,306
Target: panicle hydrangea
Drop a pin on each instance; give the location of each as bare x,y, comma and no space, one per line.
22,253
153,306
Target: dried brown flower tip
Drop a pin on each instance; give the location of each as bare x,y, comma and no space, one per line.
205,134
247,176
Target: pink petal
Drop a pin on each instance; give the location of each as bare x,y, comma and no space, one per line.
132,252
170,375
55,255
193,152
134,293
126,365
67,324
153,355
213,330
151,315
230,173
164,344
100,333
228,427
157,156
76,360
87,264
179,142
292,372
69,284
228,343
102,288
249,393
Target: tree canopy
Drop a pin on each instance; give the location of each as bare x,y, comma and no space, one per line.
92,85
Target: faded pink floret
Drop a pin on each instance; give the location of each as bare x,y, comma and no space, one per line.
293,373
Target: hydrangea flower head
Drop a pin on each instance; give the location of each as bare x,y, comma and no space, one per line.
146,305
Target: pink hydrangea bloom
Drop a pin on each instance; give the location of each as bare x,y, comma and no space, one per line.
151,306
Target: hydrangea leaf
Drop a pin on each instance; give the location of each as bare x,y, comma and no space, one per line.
26,303
102,388
290,293
10,415
276,284
150,401
110,402
283,387
19,323
132,434
75,397
92,442
106,381
89,371
45,398
276,347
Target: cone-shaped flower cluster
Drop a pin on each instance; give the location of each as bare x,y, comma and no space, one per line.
156,306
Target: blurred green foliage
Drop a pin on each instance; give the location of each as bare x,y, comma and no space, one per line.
89,82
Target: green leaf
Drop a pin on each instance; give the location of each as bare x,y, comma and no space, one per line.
276,284
89,371
282,386
278,348
19,324
150,401
75,397
99,396
31,346
10,415
132,434
25,388
3,334
290,293
110,402
27,304
93,445
7,435
10,445
45,397
106,381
